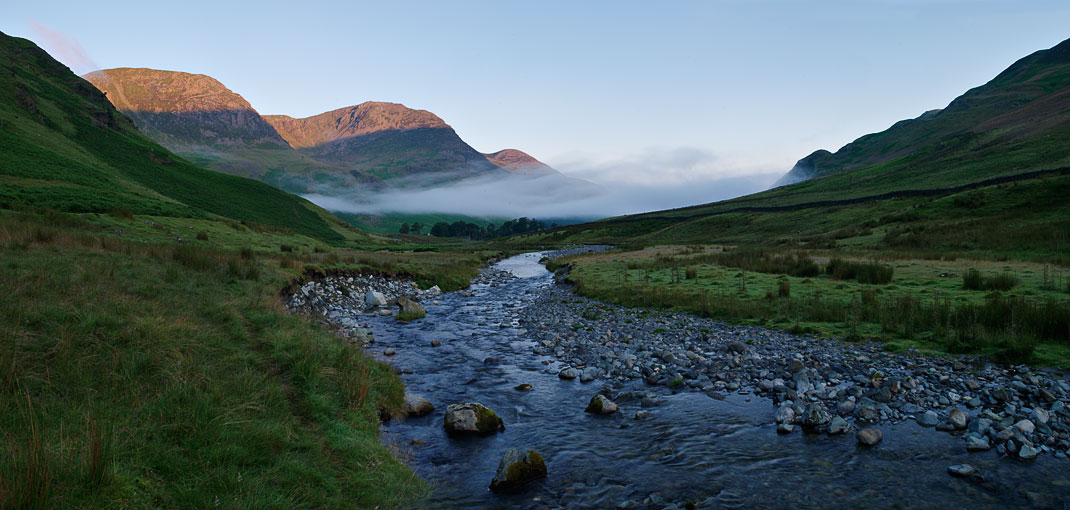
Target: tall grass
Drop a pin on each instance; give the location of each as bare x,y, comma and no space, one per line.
1006,329
863,272
97,457
972,279
158,373
27,477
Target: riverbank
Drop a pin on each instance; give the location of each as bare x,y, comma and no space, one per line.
819,385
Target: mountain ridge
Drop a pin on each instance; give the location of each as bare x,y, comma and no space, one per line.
1028,97
365,118
519,162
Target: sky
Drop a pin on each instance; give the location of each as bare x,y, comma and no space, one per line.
639,94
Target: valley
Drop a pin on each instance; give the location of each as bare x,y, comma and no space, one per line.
206,306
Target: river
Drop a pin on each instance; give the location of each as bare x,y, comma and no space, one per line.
692,448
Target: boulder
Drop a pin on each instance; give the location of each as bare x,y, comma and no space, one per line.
814,418
868,412
472,419
1025,426
1040,416
785,414
736,347
589,374
928,419
601,405
956,418
517,469
1027,452
411,308
416,405
373,299
568,374
869,437
838,426
975,443
522,387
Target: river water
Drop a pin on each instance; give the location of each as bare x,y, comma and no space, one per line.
717,453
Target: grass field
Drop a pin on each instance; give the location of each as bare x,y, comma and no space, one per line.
140,371
924,305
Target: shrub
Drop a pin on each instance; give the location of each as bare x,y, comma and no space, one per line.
690,273
1005,281
864,272
972,279
243,270
246,253
784,288
193,257
286,248
202,236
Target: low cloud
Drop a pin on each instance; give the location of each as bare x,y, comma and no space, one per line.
654,181
64,48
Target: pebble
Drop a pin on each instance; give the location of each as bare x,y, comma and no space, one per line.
961,470
869,437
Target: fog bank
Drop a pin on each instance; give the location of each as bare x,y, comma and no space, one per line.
552,196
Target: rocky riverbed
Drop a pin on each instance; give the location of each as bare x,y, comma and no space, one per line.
818,385
695,405
346,301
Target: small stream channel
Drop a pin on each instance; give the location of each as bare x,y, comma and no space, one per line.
716,453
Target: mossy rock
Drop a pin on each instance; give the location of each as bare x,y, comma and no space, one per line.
517,470
470,418
601,405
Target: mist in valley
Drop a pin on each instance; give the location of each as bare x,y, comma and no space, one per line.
651,181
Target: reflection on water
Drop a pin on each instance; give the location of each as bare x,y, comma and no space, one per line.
692,448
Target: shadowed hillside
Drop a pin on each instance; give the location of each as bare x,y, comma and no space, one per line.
65,147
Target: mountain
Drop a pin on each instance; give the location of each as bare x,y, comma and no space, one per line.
1020,119
185,110
64,146
202,120
402,146
518,162
991,172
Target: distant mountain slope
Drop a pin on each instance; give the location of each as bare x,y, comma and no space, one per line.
185,110
64,146
1017,111
400,145
362,119
517,162
202,120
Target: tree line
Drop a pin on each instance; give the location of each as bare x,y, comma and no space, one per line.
474,231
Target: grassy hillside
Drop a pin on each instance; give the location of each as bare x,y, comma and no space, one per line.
1027,220
154,374
63,146
1019,120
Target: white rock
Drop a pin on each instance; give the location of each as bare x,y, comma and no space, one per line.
373,298
1026,426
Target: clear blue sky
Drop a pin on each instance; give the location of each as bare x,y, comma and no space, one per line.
640,91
